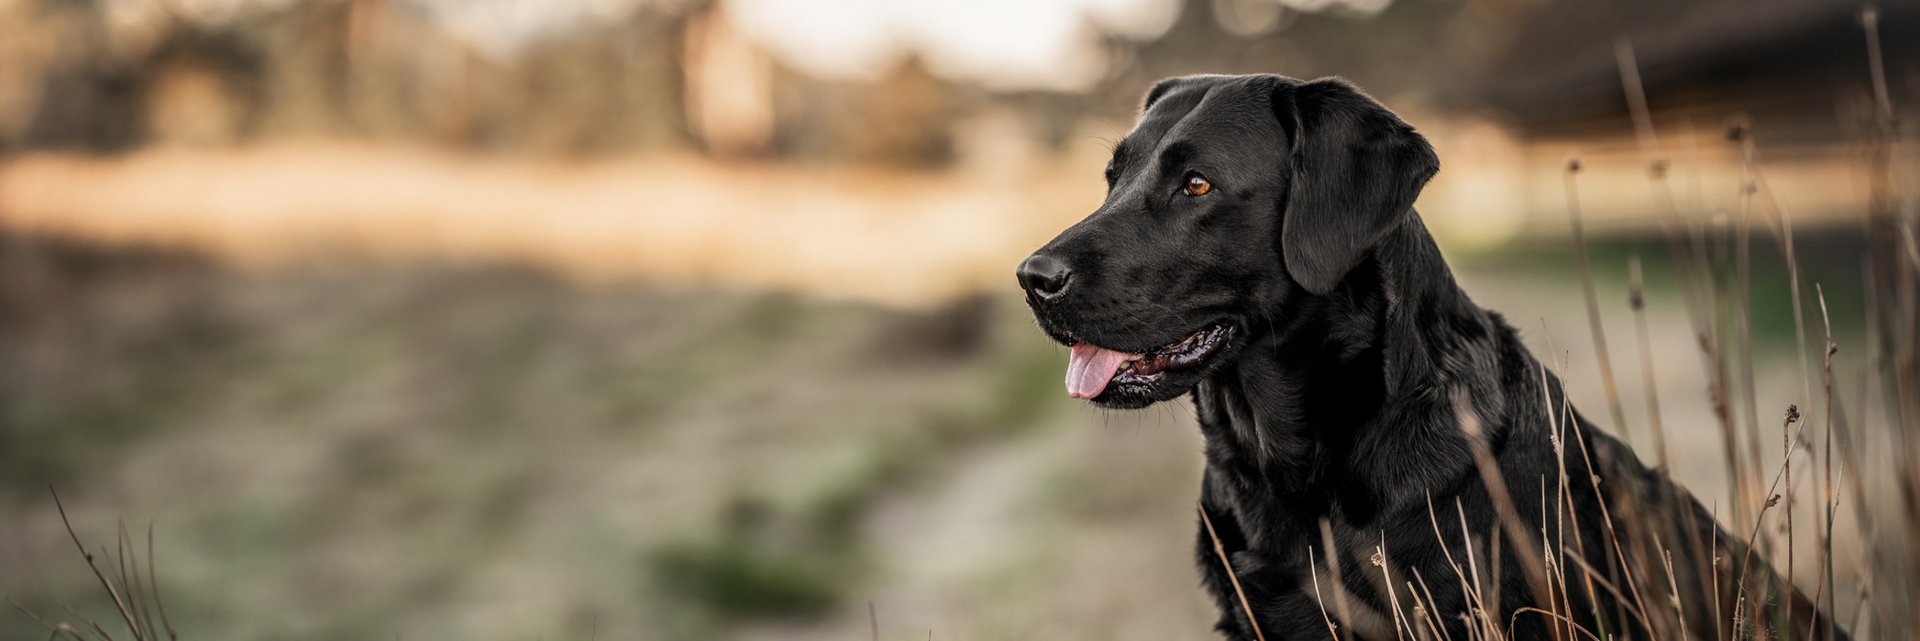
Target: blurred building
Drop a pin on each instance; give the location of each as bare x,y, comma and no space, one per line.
1797,68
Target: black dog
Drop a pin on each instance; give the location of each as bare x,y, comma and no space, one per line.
1384,458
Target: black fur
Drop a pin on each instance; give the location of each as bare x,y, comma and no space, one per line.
1357,383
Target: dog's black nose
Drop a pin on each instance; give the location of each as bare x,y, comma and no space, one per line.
1044,276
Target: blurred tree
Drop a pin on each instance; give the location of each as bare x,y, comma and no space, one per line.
200,86
729,86
84,100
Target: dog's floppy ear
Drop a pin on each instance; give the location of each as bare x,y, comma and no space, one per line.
1356,171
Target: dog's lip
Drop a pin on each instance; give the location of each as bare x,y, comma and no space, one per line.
1188,352
1136,351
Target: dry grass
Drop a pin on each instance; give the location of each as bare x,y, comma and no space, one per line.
1712,261
137,606
1221,552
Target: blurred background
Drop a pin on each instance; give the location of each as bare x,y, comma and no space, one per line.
695,319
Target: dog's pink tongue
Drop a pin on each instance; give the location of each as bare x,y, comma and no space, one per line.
1089,369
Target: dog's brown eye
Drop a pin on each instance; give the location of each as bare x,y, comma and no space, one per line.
1197,185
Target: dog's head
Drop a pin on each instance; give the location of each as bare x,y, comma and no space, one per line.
1232,196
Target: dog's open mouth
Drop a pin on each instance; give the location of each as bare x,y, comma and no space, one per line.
1091,368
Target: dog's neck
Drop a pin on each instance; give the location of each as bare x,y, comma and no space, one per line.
1345,387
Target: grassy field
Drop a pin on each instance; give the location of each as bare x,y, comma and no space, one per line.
440,450
490,452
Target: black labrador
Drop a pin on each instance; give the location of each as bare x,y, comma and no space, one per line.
1384,459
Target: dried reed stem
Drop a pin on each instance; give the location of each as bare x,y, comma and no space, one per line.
1535,573
1393,596
1313,568
1221,551
1602,355
118,603
1636,298
153,584
1832,502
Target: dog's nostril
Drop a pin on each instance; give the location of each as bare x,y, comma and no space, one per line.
1044,276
